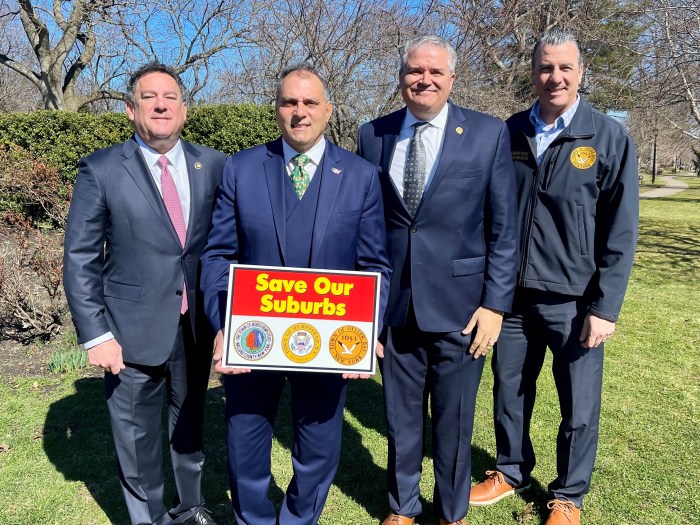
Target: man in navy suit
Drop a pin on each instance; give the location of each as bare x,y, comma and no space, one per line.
136,228
449,199
298,201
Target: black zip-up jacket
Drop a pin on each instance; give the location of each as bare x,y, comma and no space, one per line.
579,212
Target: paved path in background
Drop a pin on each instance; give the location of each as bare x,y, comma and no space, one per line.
672,186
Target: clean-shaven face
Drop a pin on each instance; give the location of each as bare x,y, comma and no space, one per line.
426,81
556,76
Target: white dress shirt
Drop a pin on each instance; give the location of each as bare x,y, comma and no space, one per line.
315,155
432,139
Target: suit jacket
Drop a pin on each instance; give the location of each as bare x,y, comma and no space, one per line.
459,252
249,221
123,263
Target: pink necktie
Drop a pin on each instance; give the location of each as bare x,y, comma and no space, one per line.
174,207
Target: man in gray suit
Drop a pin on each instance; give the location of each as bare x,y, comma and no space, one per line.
137,225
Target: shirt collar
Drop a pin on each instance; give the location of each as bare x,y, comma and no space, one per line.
439,121
561,122
175,155
315,153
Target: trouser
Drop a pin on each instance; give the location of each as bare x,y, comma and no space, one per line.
317,402
440,364
540,320
135,401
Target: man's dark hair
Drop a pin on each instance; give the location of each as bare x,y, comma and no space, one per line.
555,37
153,67
302,67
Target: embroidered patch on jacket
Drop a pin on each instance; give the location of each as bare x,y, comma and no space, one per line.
583,157
520,155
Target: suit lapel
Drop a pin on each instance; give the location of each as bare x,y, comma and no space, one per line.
195,174
331,171
274,175
456,131
136,167
389,140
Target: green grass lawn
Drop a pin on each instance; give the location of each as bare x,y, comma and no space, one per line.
57,460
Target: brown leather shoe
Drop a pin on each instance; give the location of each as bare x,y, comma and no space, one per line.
492,490
458,522
563,513
397,519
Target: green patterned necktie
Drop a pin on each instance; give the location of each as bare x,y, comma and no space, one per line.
300,177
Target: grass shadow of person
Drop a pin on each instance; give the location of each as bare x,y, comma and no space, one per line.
78,441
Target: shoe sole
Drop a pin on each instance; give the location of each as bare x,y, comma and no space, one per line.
498,498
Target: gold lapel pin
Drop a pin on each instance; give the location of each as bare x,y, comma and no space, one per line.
459,130
198,165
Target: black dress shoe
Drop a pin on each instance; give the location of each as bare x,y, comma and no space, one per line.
201,517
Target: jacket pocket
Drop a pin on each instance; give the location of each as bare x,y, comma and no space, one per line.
348,215
128,292
468,266
463,174
582,237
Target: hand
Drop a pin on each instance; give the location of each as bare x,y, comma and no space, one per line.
488,325
379,351
219,354
107,355
595,331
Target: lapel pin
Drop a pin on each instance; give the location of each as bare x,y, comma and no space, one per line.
198,165
459,130
336,170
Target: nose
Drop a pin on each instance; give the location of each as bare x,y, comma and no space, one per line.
425,79
556,75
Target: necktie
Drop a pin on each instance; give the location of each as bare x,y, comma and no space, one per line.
414,173
174,207
300,177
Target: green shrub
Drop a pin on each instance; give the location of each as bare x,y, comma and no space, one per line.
60,138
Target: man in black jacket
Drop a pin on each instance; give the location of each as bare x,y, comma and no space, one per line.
578,212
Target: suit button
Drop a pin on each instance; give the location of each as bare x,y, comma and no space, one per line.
178,293
414,229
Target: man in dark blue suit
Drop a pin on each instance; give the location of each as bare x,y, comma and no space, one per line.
449,199
137,226
298,201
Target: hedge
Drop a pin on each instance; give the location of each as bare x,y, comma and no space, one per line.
62,138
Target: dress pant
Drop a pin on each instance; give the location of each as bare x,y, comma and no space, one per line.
135,401
540,320
439,365
252,400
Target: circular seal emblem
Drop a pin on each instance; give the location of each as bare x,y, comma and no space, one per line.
301,342
348,345
583,157
253,340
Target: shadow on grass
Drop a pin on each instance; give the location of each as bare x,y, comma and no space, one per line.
78,441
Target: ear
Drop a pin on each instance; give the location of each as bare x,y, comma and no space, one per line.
329,111
130,110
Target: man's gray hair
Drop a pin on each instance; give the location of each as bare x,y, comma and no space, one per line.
153,67
304,68
556,37
429,40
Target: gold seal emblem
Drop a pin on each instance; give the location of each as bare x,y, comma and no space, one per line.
348,345
301,342
583,157
459,130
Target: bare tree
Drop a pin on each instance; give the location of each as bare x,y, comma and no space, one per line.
673,60
83,48
353,43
